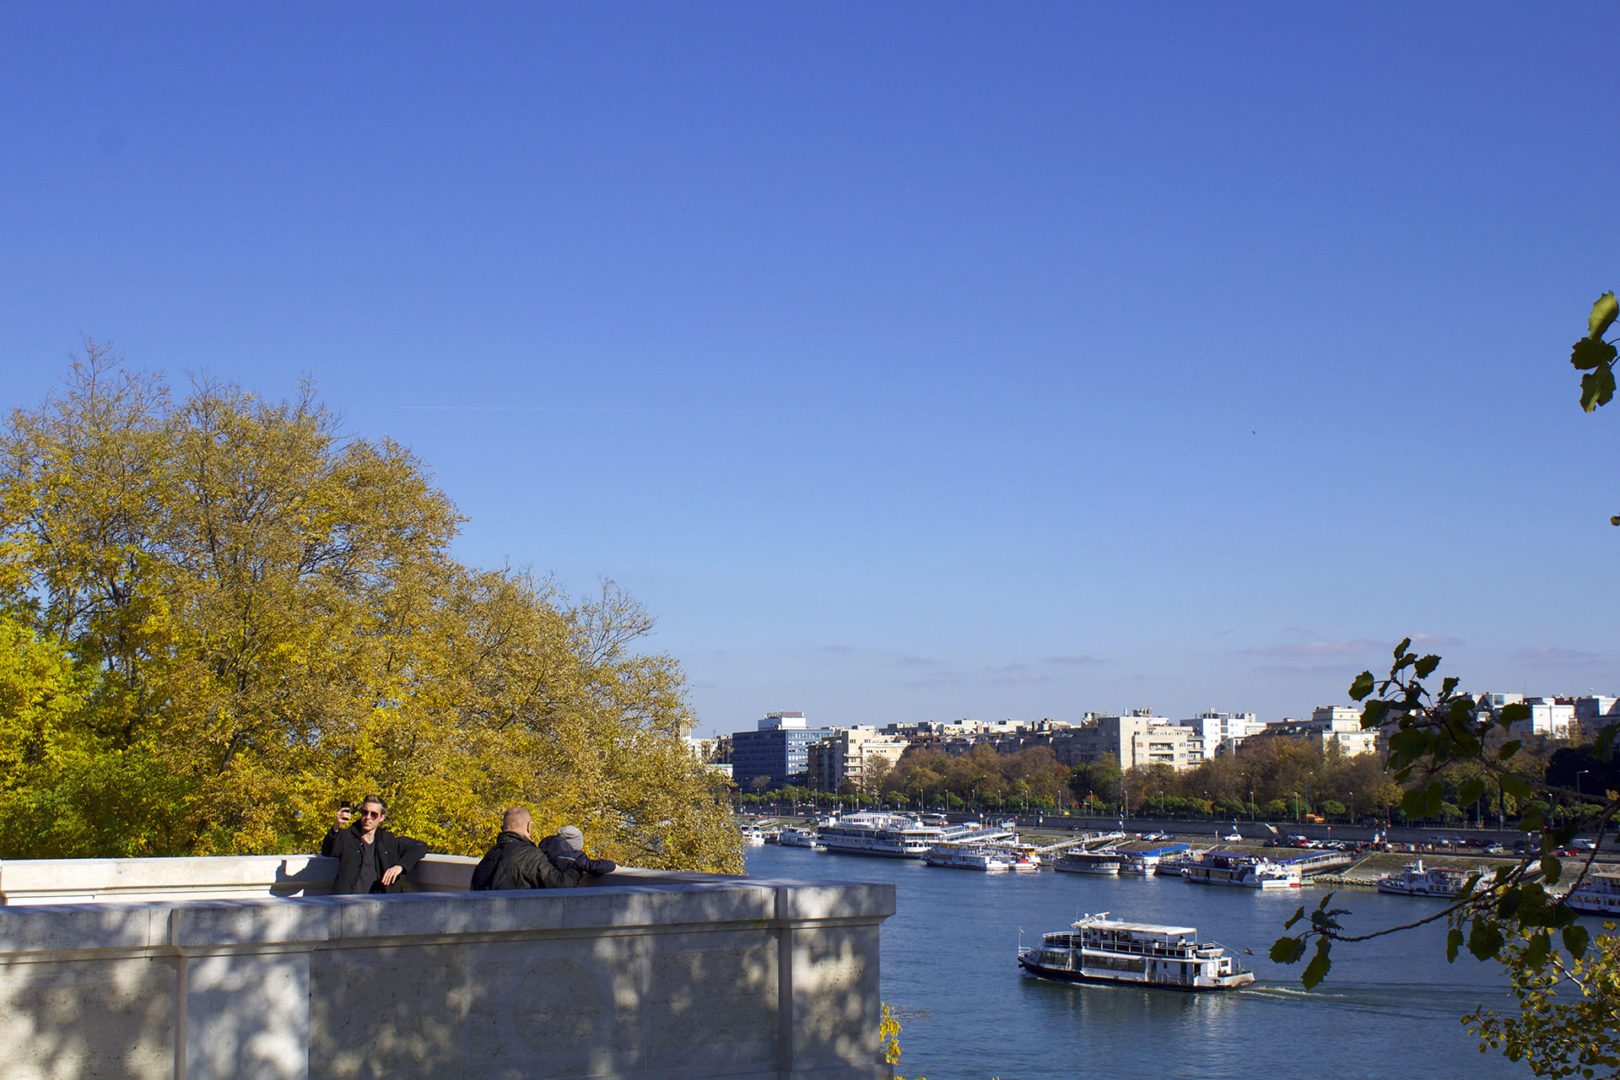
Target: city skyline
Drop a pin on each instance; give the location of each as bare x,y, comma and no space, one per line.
908,364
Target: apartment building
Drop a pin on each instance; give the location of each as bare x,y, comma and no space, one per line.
850,758
1136,738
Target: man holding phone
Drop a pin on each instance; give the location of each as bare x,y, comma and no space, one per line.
370,858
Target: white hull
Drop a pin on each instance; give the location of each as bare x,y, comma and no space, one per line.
1246,876
1101,950
1599,895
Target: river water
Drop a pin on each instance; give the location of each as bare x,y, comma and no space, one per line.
1389,1007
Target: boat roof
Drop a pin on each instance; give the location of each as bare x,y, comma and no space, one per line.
1102,922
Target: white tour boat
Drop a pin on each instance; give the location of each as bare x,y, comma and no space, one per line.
1144,862
1415,880
988,858
1597,895
1097,949
1106,861
893,835
794,837
1242,871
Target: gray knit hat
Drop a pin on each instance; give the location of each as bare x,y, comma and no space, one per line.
573,836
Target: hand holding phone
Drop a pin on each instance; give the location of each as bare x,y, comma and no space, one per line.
344,814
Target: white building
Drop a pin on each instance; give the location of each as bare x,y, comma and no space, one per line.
1340,726
1136,738
1548,716
1222,732
1552,718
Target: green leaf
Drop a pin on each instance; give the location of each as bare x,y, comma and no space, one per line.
1588,354
1484,940
1597,388
1516,713
1425,667
1374,713
1400,650
1509,748
1576,938
1449,685
1602,316
1317,969
1536,953
1454,940
1287,950
1516,786
1299,913
1552,868
1470,790
1362,686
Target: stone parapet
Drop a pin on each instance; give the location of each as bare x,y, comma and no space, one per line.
662,976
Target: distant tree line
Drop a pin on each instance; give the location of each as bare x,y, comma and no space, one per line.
1271,778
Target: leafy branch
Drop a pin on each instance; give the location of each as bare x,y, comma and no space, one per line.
1430,730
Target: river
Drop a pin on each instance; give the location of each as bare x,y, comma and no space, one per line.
1389,1007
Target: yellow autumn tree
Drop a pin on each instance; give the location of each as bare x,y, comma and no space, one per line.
228,616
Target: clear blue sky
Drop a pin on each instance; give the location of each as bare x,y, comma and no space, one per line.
908,361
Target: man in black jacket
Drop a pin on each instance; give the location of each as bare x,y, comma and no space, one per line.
370,858
515,863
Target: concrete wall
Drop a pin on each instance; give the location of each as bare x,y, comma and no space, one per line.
674,977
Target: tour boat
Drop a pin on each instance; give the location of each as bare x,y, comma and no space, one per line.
1597,895
1106,861
1415,880
1098,949
893,835
1145,862
792,837
1242,871
988,858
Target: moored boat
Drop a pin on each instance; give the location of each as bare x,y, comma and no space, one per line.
1241,871
1415,880
988,858
892,835
1599,894
1106,861
795,837
1144,862
1098,949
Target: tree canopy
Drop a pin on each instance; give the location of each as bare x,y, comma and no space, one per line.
219,616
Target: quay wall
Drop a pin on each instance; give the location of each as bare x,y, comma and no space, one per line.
243,967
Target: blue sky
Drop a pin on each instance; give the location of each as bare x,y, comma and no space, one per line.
908,361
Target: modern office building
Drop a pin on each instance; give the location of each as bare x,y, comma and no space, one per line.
776,753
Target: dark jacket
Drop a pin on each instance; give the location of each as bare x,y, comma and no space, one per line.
566,855
392,850
515,863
